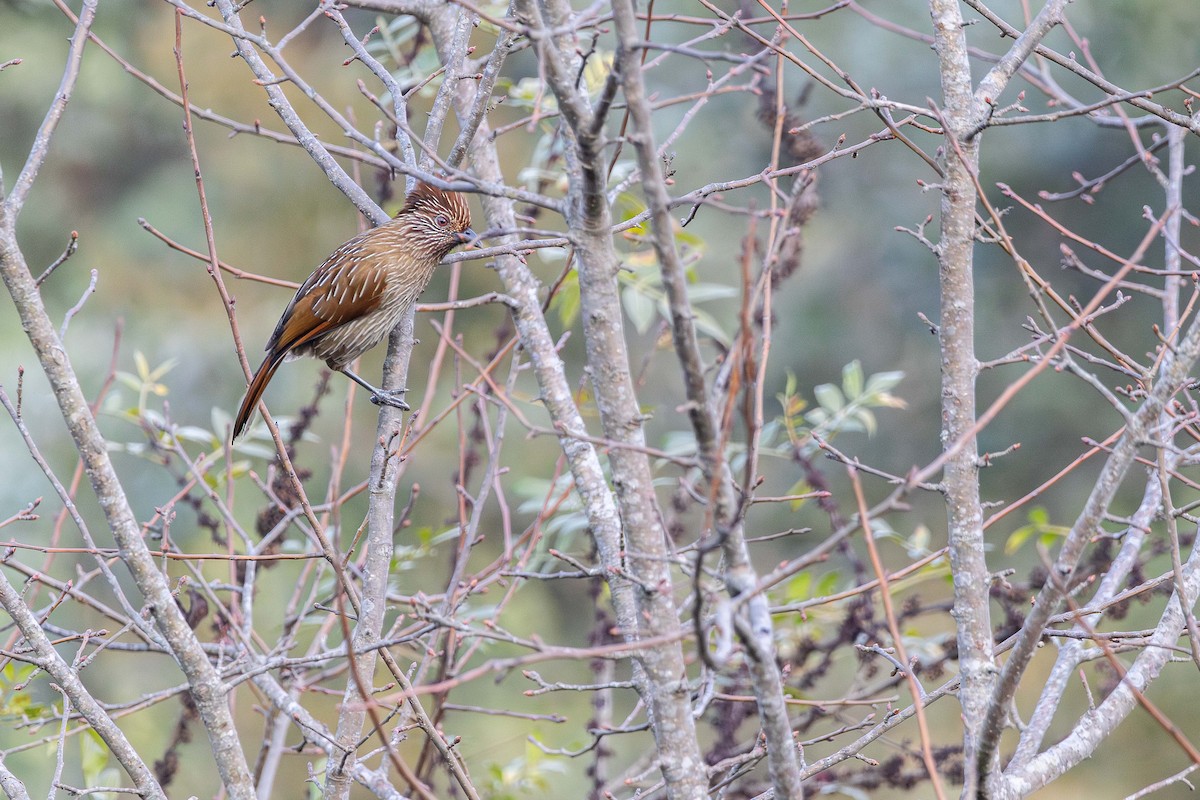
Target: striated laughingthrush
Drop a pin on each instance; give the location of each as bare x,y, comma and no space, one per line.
353,300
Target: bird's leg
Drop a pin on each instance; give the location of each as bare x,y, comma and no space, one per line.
380,397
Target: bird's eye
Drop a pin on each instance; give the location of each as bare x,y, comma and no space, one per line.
442,221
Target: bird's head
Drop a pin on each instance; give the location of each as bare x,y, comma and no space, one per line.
439,218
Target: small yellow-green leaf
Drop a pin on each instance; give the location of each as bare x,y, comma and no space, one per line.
852,379
596,71
828,584
1039,525
798,488
799,587
93,755
566,301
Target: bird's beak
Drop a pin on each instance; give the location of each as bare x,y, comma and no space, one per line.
469,237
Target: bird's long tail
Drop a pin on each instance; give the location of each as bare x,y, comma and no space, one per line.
254,392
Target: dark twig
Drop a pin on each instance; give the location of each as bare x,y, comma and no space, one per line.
72,246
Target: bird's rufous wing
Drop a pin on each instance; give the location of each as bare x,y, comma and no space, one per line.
341,290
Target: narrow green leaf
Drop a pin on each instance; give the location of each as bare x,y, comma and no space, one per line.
852,379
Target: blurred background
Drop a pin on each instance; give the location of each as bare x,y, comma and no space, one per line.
120,156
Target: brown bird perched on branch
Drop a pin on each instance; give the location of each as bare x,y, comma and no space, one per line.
353,300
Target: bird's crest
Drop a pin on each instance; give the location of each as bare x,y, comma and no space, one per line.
426,199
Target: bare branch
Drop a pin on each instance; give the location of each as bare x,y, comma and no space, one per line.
12,204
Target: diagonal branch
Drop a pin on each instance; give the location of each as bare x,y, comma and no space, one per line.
40,149
992,84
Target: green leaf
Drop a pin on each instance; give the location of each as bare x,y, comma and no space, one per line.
243,446
708,325
640,308
219,419
423,536
881,382
532,93
130,380
799,487
93,756
159,372
194,433
703,292
829,397
142,365
566,301
799,588
595,72
628,207
1039,526
866,419
918,541
852,379
828,584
